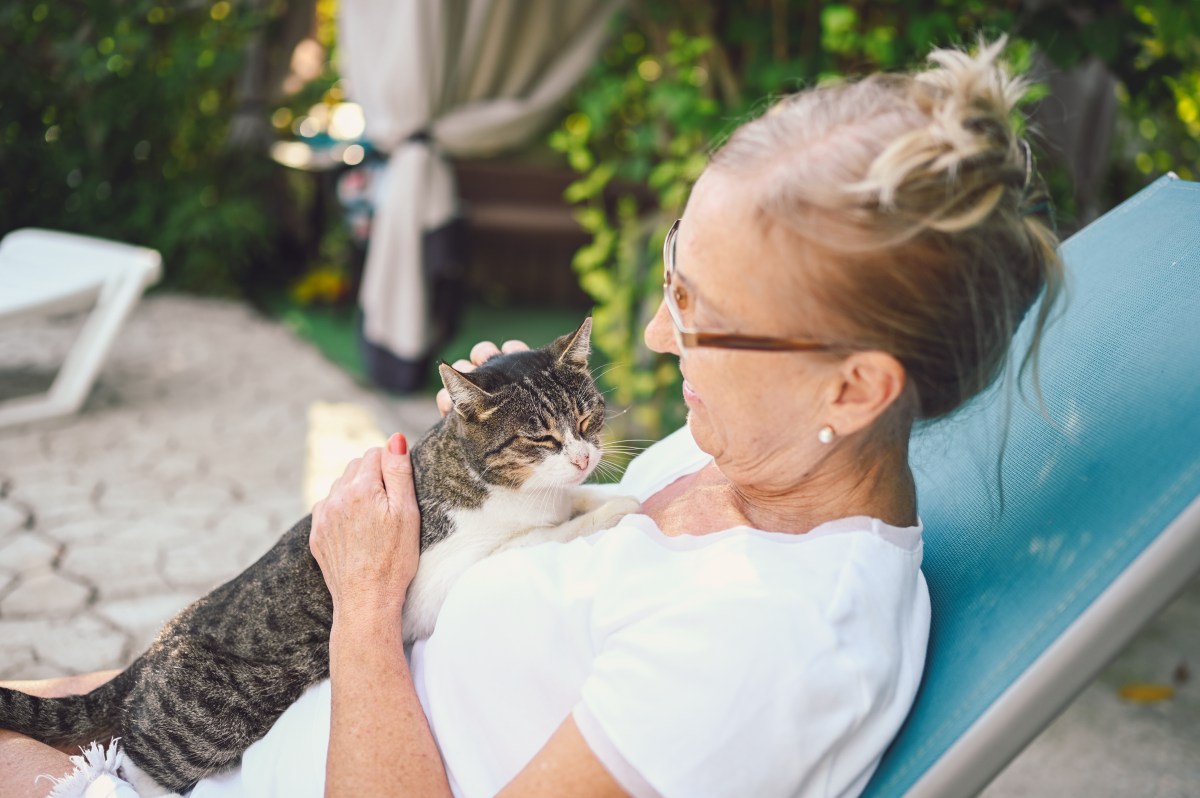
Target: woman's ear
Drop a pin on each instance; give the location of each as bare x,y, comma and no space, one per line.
868,384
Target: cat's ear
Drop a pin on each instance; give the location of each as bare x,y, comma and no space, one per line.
470,401
573,349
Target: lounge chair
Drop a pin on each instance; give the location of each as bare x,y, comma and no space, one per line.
1099,526
45,273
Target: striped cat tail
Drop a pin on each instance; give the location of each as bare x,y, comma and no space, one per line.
68,720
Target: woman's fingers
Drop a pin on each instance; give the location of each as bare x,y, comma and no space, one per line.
396,468
366,534
513,345
368,468
482,351
347,476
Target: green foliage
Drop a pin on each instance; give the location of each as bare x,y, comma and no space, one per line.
113,122
668,88
1160,91
679,76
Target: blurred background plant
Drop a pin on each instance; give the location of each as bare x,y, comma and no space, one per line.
150,121
679,76
146,121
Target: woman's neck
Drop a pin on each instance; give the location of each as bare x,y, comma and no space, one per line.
840,489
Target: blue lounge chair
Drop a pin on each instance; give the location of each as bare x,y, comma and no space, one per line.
1099,526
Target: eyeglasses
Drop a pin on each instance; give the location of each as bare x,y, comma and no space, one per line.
678,301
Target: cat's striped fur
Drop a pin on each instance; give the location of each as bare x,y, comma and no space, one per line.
221,672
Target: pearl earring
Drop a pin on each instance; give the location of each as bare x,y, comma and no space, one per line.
825,434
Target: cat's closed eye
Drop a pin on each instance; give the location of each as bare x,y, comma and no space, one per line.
544,440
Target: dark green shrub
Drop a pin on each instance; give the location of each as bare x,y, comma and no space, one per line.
114,121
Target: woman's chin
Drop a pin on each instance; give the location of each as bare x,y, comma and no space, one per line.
700,429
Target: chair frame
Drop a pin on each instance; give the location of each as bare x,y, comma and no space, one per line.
1066,667
122,275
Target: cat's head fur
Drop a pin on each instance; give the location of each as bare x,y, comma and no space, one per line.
530,420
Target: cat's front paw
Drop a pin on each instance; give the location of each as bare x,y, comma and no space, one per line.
613,510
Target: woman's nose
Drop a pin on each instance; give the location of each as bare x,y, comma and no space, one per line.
660,332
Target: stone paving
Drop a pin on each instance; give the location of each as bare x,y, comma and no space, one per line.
188,461
211,429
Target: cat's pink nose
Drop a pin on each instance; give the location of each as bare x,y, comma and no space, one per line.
581,461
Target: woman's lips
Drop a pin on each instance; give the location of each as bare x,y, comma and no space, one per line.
689,396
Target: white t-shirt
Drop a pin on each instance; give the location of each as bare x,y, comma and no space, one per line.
735,663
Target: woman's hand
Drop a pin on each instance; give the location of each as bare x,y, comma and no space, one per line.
481,352
366,533
366,537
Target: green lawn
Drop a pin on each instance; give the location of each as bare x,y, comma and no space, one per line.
332,330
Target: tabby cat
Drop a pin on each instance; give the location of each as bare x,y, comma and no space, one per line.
503,469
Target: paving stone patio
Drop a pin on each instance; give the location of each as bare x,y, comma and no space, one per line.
186,464
196,449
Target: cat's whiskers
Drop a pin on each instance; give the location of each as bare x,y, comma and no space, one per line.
616,455
607,368
607,470
623,451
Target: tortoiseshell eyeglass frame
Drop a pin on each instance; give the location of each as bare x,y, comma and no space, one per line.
688,339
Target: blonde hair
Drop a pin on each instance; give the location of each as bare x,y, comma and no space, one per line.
919,197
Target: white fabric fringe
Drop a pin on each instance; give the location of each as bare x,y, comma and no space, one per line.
95,775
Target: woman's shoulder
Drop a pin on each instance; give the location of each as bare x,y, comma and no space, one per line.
745,570
794,648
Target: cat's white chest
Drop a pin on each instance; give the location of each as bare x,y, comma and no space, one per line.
510,512
478,532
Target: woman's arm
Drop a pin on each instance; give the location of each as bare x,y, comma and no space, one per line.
366,537
62,685
22,759
564,766
379,742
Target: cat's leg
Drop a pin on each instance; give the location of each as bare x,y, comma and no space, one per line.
141,782
586,498
606,514
160,765
197,718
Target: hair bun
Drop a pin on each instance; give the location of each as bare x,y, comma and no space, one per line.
930,229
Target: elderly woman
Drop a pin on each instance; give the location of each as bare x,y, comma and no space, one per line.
851,263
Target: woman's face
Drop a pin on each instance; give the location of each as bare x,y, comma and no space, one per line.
757,413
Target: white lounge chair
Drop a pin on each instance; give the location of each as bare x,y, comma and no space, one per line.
45,273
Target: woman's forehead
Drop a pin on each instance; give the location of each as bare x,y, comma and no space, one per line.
756,274
723,228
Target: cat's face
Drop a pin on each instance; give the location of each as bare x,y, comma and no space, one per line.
531,420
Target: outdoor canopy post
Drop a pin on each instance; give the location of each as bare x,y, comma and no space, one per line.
460,78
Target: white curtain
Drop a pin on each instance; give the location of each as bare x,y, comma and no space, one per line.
442,78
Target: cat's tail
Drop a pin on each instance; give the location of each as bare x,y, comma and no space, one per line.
70,719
